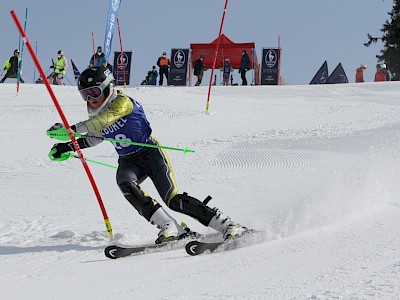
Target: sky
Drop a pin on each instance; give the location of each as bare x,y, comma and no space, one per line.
310,31
314,168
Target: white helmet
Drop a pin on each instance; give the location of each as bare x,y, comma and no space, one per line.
383,66
363,66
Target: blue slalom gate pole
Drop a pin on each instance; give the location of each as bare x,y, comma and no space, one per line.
22,51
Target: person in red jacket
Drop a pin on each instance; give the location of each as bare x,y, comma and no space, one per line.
360,73
380,75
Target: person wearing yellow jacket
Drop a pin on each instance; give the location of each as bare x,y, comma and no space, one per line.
60,68
11,65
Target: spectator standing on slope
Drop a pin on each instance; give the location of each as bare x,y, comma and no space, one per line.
226,71
60,68
244,66
98,59
11,66
199,70
360,73
163,63
380,75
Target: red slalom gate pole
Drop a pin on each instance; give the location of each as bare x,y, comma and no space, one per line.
94,51
66,124
215,56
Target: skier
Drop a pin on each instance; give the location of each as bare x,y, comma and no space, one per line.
12,65
115,115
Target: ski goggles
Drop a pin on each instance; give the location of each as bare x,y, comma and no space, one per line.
94,92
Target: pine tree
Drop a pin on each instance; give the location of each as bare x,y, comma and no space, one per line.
390,54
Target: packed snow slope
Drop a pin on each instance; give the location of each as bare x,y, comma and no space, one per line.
316,168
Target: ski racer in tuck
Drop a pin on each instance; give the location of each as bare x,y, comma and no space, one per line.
117,116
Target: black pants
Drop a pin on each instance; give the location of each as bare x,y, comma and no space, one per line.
11,74
148,163
243,76
163,70
154,164
199,79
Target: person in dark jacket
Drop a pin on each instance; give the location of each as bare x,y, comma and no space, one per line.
98,59
226,71
244,66
163,63
11,65
199,69
151,78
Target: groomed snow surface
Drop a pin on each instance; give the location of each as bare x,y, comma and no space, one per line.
316,168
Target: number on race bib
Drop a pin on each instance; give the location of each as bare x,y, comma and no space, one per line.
121,137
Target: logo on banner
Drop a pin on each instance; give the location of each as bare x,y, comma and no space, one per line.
122,61
271,58
115,5
179,58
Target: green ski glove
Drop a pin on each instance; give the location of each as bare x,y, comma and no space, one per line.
59,132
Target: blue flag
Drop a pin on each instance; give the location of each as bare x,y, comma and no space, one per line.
111,20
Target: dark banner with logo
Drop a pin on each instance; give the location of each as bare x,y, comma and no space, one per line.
270,66
122,65
179,67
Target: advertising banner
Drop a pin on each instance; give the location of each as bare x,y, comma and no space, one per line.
179,67
122,67
113,8
270,66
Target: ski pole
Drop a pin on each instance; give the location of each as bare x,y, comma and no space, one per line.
95,161
184,150
62,135
65,121
68,155
68,80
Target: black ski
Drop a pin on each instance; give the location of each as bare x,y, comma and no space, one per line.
249,238
195,247
115,251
